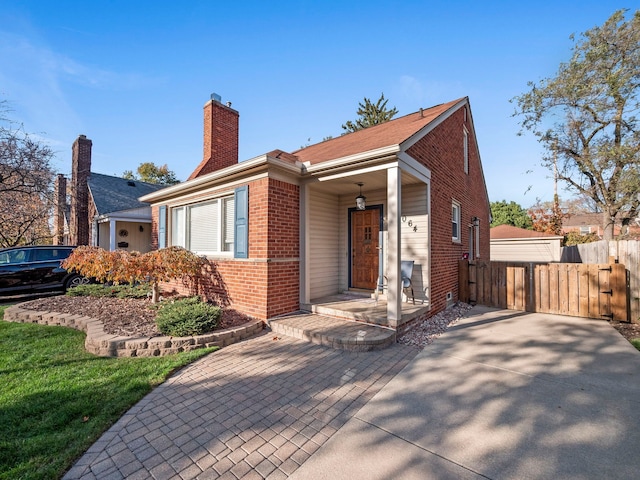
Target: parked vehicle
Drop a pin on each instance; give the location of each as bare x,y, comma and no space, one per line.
33,269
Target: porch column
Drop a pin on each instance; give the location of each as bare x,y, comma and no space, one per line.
305,289
394,293
112,235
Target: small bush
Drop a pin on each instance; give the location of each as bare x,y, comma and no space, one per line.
187,316
119,291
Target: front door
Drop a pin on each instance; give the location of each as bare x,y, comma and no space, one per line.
365,227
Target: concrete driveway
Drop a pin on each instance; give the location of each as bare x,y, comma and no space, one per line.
502,395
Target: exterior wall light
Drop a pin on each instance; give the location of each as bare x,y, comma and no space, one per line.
361,199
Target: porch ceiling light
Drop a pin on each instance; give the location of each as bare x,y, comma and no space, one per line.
361,199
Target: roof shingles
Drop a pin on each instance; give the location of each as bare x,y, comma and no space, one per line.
502,232
393,132
115,194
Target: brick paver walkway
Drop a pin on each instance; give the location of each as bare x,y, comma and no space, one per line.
256,409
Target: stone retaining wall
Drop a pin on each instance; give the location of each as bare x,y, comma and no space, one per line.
105,344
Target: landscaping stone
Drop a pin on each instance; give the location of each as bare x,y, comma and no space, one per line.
105,344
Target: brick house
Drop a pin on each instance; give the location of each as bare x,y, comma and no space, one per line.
100,210
592,223
283,229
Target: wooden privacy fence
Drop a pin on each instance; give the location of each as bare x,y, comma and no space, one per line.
626,252
594,291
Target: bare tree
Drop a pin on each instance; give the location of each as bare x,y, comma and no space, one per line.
26,180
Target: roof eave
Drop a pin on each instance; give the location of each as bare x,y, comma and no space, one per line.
349,160
414,138
234,171
555,237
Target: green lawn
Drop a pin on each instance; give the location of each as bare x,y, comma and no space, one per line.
56,399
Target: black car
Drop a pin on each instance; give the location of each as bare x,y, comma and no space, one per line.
35,269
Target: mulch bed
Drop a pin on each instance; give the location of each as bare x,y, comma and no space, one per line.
627,330
128,317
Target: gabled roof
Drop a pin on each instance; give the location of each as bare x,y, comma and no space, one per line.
503,232
393,132
390,138
115,194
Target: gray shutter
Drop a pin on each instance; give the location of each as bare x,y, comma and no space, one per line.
162,226
241,223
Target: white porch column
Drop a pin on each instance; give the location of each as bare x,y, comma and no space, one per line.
305,255
112,235
394,208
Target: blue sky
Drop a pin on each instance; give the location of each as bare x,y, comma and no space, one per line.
134,75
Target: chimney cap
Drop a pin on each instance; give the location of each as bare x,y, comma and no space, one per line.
216,97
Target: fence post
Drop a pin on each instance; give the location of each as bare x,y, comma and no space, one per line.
529,303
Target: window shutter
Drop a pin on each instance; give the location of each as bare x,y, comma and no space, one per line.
162,226
229,224
241,223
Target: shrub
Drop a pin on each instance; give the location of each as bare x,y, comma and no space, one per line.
575,238
187,316
121,266
120,291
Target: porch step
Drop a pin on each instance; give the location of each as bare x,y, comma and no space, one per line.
333,332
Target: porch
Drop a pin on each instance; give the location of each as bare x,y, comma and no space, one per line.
348,245
363,308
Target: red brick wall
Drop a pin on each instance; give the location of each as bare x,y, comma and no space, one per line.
79,223
220,146
442,152
155,211
266,284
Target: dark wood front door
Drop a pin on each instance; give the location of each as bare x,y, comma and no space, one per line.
365,227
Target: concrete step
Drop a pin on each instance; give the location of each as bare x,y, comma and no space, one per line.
333,332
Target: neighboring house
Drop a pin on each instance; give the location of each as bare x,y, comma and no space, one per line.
513,244
586,223
103,210
583,223
283,229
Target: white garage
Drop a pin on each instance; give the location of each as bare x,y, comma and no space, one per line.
513,244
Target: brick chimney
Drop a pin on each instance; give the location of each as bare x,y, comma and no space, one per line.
80,171
220,137
59,209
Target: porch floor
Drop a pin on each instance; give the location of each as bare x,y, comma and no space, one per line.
349,321
362,308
